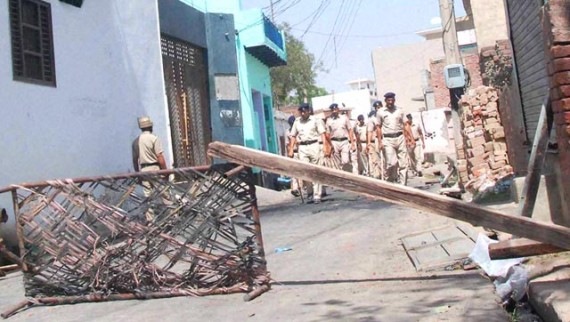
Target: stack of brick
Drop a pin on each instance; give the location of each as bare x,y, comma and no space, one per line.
484,152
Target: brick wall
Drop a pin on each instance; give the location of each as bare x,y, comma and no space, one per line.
556,28
441,92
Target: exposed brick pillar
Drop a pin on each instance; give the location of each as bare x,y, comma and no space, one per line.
440,91
556,28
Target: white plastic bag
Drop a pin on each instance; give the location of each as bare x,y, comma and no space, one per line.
494,268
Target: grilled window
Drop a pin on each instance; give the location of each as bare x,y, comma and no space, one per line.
32,41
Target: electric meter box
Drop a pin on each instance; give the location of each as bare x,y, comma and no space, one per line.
454,76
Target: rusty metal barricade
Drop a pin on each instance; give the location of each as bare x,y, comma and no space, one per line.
87,239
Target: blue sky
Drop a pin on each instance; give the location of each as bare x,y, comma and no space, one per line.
362,25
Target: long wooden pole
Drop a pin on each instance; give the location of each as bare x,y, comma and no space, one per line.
536,161
402,195
521,247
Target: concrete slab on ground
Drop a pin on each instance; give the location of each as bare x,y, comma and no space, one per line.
549,295
437,248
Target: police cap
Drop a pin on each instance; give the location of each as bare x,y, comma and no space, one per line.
304,107
291,120
377,104
372,113
333,106
389,95
144,122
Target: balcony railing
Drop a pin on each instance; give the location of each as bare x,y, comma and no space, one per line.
272,33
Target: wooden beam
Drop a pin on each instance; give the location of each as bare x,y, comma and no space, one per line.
521,247
397,194
536,161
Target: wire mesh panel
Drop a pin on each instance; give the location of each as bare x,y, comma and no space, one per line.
92,237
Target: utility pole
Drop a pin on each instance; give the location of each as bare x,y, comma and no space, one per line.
452,56
272,12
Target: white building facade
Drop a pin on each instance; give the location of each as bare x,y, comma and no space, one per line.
73,84
357,102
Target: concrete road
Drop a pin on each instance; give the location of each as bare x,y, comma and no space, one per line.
346,264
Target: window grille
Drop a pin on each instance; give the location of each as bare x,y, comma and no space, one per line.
32,41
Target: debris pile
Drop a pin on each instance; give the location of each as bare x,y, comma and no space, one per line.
482,158
89,239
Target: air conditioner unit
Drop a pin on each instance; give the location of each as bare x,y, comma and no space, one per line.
454,76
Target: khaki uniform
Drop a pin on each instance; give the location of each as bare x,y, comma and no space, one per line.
362,159
374,156
294,182
307,133
395,151
146,149
415,154
338,129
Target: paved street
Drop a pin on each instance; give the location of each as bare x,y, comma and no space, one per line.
346,264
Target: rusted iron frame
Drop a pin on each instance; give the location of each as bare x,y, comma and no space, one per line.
114,297
263,283
130,175
259,238
232,172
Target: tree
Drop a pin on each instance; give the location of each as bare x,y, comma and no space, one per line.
292,82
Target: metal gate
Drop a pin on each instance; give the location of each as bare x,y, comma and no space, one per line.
528,46
185,77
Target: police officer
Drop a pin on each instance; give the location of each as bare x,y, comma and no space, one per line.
340,134
147,155
306,132
415,149
391,140
361,133
295,183
377,167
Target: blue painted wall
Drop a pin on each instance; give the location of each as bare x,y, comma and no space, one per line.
182,21
227,124
203,26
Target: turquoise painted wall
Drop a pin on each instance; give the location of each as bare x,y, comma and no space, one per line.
253,75
260,80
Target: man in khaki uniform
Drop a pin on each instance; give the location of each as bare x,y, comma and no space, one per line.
391,140
147,156
361,133
296,185
415,149
375,156
339,132
306,132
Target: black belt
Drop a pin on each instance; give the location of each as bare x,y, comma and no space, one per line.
144,165
308,142
339,139
392,135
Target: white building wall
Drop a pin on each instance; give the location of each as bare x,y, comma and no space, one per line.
281,127
108,70
490,21
399,70
360,102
